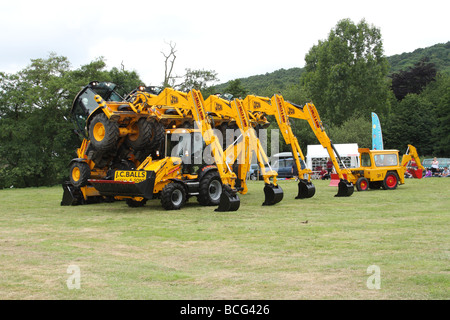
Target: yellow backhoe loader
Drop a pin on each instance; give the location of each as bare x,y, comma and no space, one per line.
169,178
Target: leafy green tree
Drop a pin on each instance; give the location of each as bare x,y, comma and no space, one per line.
413,80
346,74
236,88
37,142
411,122
197,79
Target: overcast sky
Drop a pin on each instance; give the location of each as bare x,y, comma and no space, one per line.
236,38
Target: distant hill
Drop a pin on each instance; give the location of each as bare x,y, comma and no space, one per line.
439,54
279,80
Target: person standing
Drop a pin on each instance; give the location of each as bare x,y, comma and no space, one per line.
329,166
435,166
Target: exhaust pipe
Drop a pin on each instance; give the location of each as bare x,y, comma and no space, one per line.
273,194
345,188
229,200
305,189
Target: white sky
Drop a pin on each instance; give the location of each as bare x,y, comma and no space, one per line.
236,38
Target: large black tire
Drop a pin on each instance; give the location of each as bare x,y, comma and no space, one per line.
103,133
210,189
157,142
173,196
80,172
390,182
362,184
143,138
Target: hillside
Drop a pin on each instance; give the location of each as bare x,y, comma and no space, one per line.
438,54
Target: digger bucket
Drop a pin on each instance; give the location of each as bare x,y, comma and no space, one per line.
273,194
305,189
229,200
126,188
72,196
345,188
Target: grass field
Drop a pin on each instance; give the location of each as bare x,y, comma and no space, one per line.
318,248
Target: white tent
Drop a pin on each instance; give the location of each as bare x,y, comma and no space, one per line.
317,155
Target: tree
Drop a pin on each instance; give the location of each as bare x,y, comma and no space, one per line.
197,79
413,80
169,61
37,140
346,74
411,123
236,88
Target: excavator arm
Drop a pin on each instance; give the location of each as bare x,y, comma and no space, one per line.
411,153
259,106
250,143
283,110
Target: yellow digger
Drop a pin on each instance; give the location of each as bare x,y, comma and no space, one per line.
381,168
132,128
171,179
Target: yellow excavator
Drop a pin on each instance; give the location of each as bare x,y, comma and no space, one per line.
168,178
241,151
282,111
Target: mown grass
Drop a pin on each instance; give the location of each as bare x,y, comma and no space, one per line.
318,248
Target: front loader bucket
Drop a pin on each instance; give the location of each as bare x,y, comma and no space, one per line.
305,189
72,196
126,188
229,200
345,189
273,194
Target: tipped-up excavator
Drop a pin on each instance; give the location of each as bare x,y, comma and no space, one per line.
167,178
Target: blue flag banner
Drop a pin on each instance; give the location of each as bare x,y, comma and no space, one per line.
377,138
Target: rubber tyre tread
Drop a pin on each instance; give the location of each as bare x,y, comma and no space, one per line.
358,184
166,196
145,137
385,185
85,174
109,142
158,136
203,198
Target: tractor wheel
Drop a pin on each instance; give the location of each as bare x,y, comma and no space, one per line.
80,172
362,184
390,181
135,203
143,136
210,189
173,196
157,140
103,133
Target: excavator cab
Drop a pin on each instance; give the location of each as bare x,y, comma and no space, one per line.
84,103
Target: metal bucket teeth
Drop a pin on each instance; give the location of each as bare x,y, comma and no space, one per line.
305,189
229,201
345,189
273,194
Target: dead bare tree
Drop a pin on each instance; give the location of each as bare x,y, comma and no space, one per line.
169,79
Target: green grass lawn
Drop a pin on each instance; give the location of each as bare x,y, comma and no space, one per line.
318,248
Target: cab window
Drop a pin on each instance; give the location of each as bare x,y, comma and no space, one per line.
365,160
386,160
